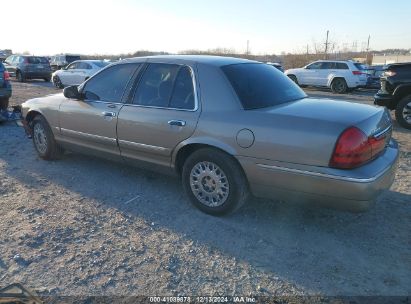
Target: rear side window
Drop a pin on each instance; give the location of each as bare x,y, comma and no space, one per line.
341,66
327,65
37,60
109,85
260,85
183,92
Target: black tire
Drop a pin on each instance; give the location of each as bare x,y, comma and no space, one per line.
20,77
230,173
47,79
403,112
43,139
339,86
4,104
293,78
57,82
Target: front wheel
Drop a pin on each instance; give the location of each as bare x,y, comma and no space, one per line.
214,182
293,78
339,86
43,139
57,82
403,112
20,77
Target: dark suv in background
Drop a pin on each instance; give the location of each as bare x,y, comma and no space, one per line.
60,61
29,67
395,92
5,88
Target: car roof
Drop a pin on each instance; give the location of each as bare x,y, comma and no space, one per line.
398,64
204,59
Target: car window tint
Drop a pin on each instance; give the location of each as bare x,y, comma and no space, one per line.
156,85
72,66
109,85
341,66
183,92
259,85
327,65
314,66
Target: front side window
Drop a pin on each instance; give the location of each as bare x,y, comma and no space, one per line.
72,66
260,85
109,85
314,66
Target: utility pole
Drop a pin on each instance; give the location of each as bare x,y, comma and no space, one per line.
368,43
326,45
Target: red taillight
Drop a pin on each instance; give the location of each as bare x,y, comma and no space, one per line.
353,149
6,75
357,72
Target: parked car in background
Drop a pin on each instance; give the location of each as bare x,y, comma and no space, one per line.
395,92
340,76
5,88
374,72
228,127
29,67
60,61
77,72
276,65
10,69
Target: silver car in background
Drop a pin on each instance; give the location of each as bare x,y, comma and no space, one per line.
228,127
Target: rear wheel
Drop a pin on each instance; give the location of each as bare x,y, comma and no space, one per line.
293,78
20,77
44,141
403,112
57,82
214,181
4,104
339,86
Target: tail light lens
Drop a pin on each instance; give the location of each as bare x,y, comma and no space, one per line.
6,76
357,73
390,73
354,149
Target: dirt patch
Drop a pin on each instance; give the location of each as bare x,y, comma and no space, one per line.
68,228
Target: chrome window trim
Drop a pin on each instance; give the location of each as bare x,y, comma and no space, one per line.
88,135
324,175
379,134
194,80
144,146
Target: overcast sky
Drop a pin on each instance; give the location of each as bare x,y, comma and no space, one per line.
122,26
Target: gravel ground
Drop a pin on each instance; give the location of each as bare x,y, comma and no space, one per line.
84,226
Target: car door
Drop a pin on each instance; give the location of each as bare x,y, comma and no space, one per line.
310,74
326,68
67,75
91,123
80,73
162,112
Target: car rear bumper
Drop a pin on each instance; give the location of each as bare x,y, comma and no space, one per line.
385,100
352,190
37,74
5,92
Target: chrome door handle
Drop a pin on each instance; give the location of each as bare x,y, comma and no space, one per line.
109,114
180,123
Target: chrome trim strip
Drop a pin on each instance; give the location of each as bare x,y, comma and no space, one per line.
324,175
88,136
132,144
379,134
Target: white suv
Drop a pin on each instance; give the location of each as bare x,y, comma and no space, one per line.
339,76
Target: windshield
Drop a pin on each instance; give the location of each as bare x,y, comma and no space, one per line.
260,85
101,64
360,66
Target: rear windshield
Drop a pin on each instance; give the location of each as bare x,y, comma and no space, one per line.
101,64
37,60
260,85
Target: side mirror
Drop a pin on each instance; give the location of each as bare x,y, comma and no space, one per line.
72,92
